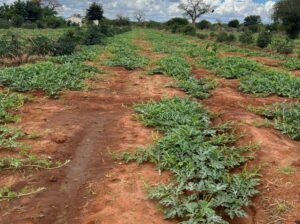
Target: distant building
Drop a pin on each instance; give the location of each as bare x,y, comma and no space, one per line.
76,18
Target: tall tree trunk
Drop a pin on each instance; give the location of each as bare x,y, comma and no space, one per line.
194,22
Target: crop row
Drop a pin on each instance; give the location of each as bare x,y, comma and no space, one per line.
284,116
124,53
201,158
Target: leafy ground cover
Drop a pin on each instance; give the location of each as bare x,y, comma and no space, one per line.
46,76
201,159
231,67
292,64
86,53
284,116
271,82
180,69
125,54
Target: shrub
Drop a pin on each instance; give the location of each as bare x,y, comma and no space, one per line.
202,36
246,37
40,24
4,24
188,30
225,37
11,46
177,21
264,39
283,46
29,25
93,36
65,45
212,34
204,24
231,38
234,23
17,21
41,45
53,22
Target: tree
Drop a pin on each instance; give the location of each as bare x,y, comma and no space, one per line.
34,10
19,9
204,24
253,22
51,4
195,9
234,23
94,12
288,13
139,16
175,24
122,20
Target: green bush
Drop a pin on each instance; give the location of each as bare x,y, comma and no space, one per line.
53,22
212,34
41,45
202,36
93,36
17,21
11,46
246,37
4,24
225,37
29,25
264,39
283,46
204,24
65,45
188,30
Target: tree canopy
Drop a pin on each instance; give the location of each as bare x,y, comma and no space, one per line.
287,12
94,12
194,9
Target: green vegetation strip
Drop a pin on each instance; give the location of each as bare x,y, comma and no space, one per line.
124,53
180,69
46,76
285,117
201,159
269,82
231,67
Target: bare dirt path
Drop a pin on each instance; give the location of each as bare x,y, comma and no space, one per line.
86,127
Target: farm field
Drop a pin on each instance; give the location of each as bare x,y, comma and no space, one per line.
152,127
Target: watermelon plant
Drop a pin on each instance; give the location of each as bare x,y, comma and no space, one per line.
46,76
125,54
201,158
271,82
181,71
285,117
231,67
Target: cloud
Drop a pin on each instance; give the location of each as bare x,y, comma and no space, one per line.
162,10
